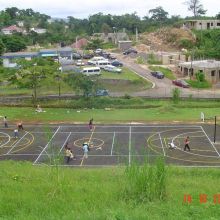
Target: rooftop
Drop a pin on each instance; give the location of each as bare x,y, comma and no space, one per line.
203,64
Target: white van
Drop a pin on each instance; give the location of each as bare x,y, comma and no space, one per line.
95,59
111,68
102,63
89,71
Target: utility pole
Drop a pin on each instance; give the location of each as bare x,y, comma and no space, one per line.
191,66
136,34
215,130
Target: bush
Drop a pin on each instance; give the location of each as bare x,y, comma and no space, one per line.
145,182
185,43
200,77
199,85
152,59
175,95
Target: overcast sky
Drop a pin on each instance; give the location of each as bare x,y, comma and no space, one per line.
84,8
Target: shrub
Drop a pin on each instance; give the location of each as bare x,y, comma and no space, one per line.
200,77
152,59
185,43
145,182
175,95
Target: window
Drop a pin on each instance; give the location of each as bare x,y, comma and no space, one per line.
211,23
201,71
218,24
213,73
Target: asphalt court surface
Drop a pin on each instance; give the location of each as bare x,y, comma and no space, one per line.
112,144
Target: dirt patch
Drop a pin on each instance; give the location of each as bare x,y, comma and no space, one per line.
166,39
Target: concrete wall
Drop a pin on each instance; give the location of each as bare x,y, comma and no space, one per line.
124,45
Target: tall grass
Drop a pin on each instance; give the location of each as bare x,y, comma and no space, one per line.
145,182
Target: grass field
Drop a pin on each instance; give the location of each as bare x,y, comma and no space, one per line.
40,192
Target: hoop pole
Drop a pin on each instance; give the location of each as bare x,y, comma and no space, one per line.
215,130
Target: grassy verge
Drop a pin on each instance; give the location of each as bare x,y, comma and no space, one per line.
31,192
163,112
167,72
126,81
199,85
123,82
125,74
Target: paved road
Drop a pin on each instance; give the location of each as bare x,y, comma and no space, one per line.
164,87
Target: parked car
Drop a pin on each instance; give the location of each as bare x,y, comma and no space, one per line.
130,50
111,68
116,63
88,56
76,56
80,63
157,74
181,83
102,92
111,57
99,92
98,51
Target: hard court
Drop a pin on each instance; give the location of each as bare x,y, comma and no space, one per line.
112,145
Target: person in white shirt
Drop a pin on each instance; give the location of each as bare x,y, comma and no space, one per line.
86,149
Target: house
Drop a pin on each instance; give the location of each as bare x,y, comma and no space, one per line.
202,24
9,58
124,45
11,29
112,37
211,69
20,23
169,58
56,53
79,44
39,30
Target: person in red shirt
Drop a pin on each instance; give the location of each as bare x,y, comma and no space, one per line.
186,142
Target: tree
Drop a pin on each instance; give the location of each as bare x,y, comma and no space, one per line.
158,14
81,83
13,12
195,7
106,28
2,47
94,44
13,43
218,16
31,73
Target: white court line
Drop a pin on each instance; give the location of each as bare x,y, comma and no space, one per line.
46,146
17,143
119,165
201,155
113,141
9,138
93,155
162,145
210,141
134,126
97,132
129,149
65,142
